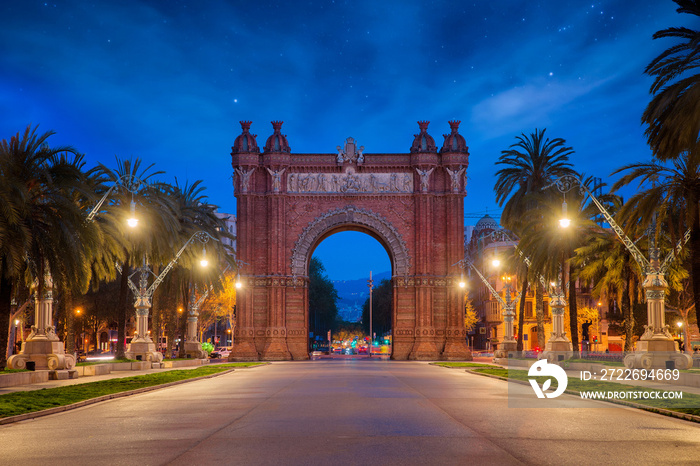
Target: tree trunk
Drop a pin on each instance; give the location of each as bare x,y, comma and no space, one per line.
627,312
5,310
521,315
122,308
539,313
573,311
185,284
70,321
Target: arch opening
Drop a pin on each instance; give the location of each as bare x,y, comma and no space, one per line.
346,255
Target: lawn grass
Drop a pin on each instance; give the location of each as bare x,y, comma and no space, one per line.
105,361
12,371
594,361
576,386
461,364
12,404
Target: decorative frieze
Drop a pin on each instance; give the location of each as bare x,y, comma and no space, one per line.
349,183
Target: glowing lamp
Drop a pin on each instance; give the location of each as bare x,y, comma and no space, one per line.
204,262
564,222
132,221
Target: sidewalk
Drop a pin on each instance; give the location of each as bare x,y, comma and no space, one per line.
93,378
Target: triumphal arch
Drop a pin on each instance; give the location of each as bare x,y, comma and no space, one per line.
412,203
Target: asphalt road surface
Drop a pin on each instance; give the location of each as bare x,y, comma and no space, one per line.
337,412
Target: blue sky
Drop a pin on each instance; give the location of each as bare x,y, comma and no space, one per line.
168,81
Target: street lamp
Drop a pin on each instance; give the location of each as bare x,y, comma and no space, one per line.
462,283
656,346
131,184
132,221
142,347
507,304
204,262
564,221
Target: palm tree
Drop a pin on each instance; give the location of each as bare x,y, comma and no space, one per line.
41,225
157,224
673,131
531,164
672,115
673,197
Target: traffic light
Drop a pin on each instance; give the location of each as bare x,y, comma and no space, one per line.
594,338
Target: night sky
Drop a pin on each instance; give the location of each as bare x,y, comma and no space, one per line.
168,81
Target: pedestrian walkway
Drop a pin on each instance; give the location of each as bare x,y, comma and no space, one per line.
87,379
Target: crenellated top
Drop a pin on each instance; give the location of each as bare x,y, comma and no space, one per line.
278,141
454,142
423,142
246,142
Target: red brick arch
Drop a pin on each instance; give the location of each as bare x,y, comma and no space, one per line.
288,203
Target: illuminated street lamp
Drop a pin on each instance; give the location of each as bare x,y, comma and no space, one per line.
141,346
204,262
132,221
564,221
131,184
656,346
507,305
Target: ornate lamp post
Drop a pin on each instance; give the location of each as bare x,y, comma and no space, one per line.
141,346
656,346
507,305
558,347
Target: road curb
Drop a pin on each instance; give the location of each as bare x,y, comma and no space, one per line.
651,409
99,399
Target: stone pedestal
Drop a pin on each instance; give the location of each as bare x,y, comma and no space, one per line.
194,350
558,346
143,350
43,348
508,346
656,347
142,347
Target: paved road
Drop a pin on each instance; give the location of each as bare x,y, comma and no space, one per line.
335,412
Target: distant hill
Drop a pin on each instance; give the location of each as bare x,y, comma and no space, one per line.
353,294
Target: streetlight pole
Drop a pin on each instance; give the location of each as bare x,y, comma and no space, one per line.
370,284
656,346
141,346
507,305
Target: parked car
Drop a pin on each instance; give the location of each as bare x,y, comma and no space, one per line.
221,352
